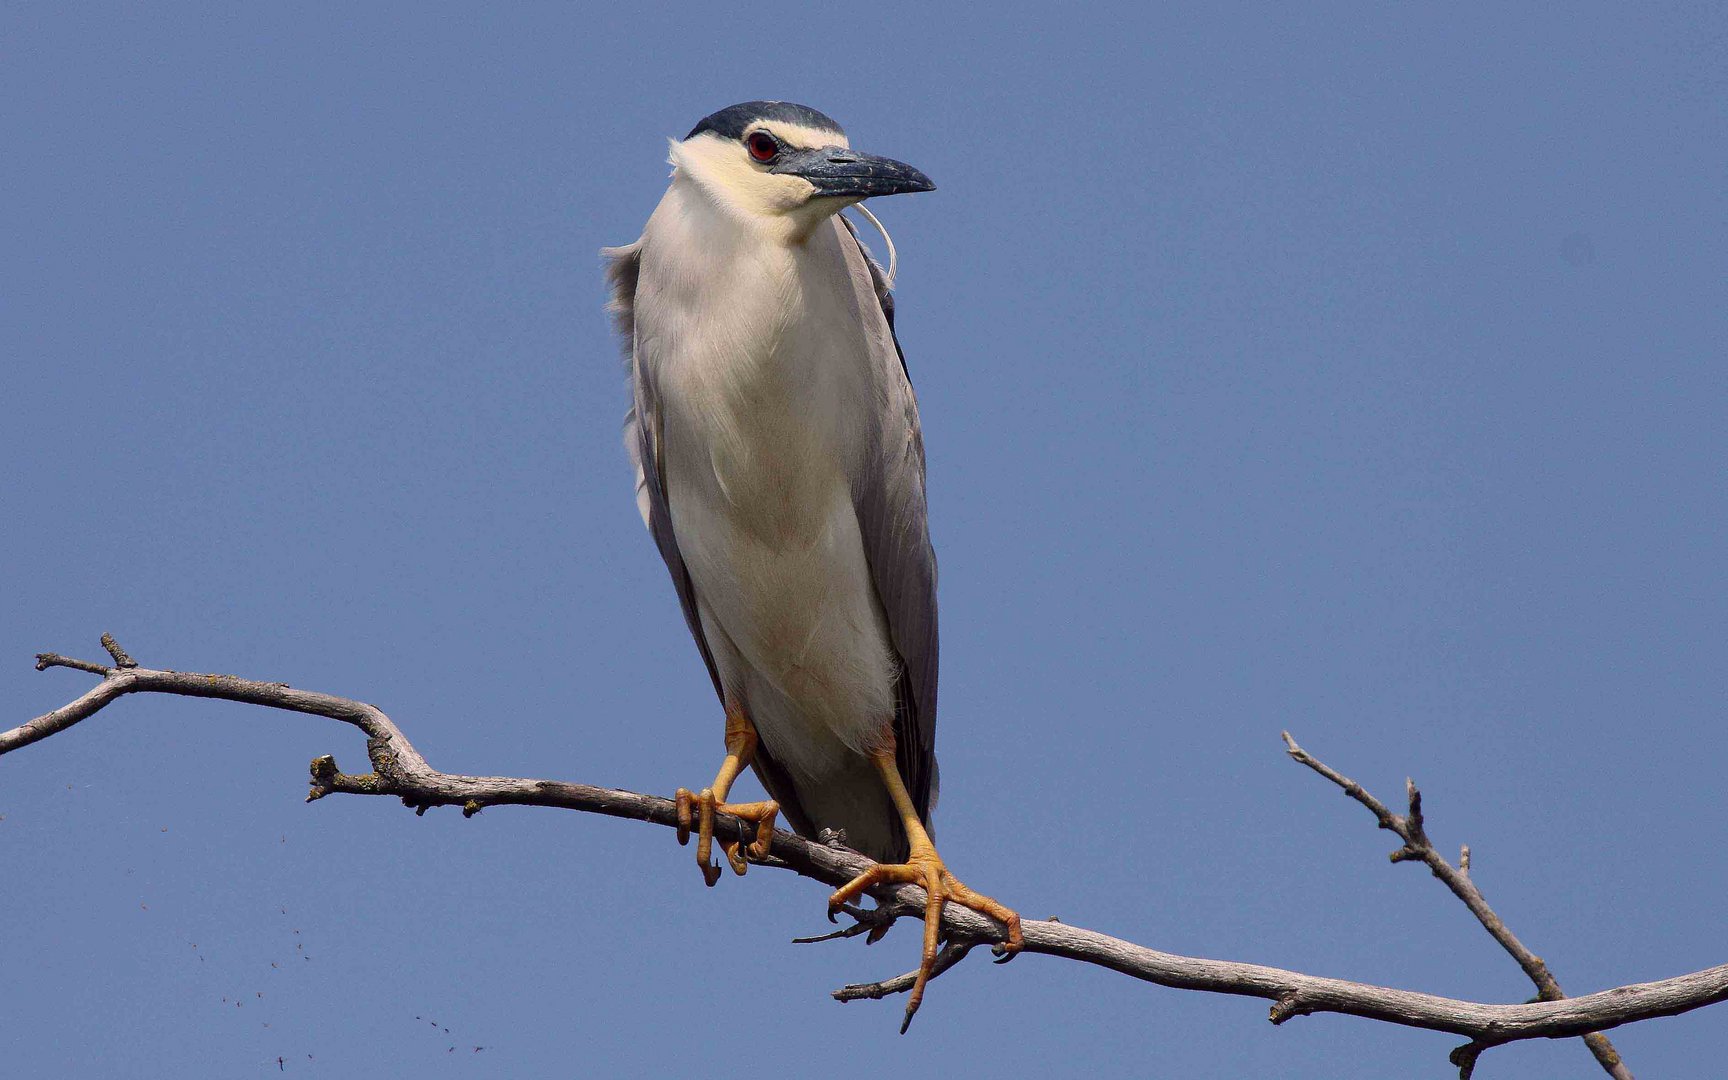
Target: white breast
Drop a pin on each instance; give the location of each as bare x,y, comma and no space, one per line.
764,378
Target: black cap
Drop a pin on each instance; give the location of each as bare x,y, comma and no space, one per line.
730,122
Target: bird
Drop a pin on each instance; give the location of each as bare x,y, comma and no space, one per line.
780,471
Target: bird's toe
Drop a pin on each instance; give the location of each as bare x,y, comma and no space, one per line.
699,810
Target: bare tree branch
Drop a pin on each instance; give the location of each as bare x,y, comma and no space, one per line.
1411,829
399,770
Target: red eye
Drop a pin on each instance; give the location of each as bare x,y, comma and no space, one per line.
762,146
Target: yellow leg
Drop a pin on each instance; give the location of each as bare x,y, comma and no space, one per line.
924,867
741,742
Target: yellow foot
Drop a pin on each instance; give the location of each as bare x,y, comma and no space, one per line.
924,867
702,807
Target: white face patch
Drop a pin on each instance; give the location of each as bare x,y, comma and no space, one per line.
746,188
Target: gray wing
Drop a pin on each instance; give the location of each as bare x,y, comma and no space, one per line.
894,520
642,440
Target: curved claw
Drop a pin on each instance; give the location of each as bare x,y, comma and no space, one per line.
697,811
735,857
911,1011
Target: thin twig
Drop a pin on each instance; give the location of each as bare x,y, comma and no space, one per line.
399,770
1411,829
951,954
873,921
121,659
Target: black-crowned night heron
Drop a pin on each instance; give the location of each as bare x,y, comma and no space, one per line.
780,469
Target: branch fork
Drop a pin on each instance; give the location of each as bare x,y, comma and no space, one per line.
1411,828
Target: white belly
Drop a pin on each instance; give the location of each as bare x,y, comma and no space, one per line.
794,626
759,440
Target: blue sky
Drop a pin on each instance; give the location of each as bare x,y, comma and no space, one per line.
1356,370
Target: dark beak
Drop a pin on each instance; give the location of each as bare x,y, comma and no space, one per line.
835,170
